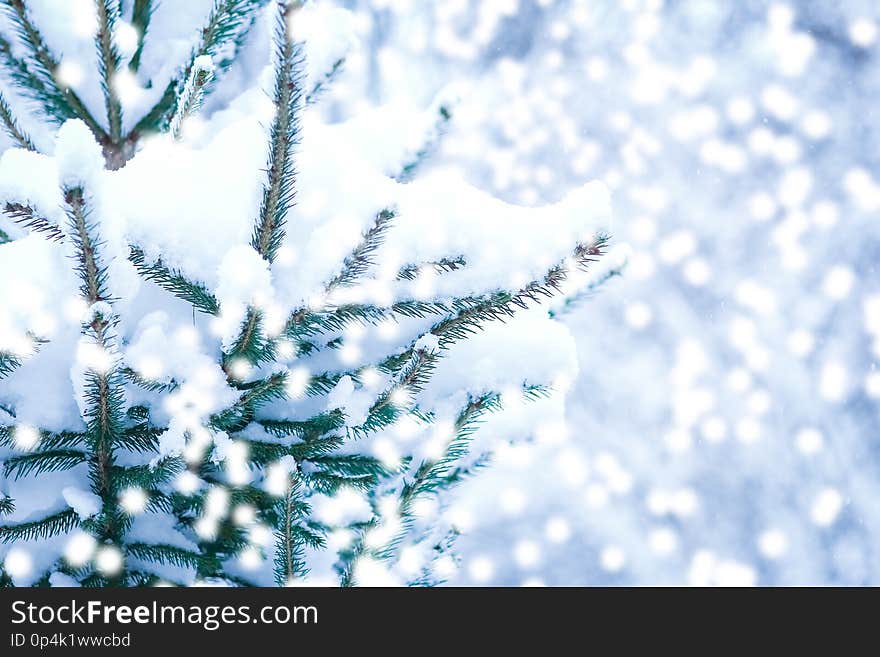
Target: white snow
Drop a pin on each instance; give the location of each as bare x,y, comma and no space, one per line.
85,504
341,393
329,34
244,280
79,157
428,342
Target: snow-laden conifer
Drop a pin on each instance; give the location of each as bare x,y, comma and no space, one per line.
229,336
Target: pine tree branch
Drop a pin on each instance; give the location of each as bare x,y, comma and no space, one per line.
141,14
48,440
57,523
292,535
394,401
93,277
52,100
228,24
173,281
103,389
149,384
434,474
307,430
8,364
168,555
251,345
415,366
43,461
572,301
431,476
358,262
279,187
145,477
140,438
320,87
349,466
305,323
438,130
26,217
7,505
190,99
442,266
256,395
12,127
263,453
109,59
45,69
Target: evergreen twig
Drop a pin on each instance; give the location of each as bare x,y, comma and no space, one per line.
12,127
64,100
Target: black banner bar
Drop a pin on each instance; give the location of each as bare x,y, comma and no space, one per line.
83,621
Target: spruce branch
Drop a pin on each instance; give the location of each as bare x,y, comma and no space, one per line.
431,477
47,440
263,453
168,555
280,176
305,323
278,190
93,276
52,525
146,477
9,361
175,282
30,84
43,461
140,438
12,127
255,395
7,505
8,364
148,384
309,430
103,389
327,79
414,366
141,14
358,262
435,135
251,345
108,57
473,312
169,279
64,102
435,474
26,217
572,301
227,26
190,100
442,266
291,536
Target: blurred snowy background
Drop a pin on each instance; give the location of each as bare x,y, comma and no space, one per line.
723,428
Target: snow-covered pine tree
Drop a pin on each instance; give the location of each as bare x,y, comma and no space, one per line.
202,380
